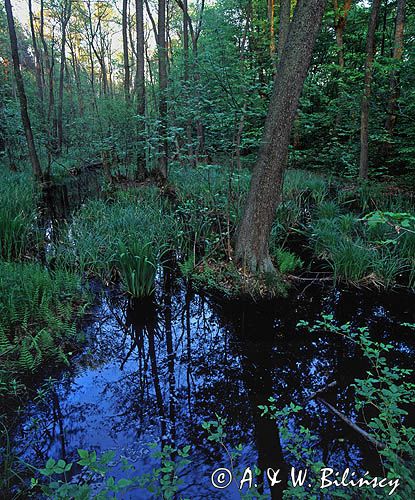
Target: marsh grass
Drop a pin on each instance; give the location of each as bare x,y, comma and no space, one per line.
92,239
351,260
18,199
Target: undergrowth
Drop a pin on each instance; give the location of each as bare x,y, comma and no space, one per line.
38,314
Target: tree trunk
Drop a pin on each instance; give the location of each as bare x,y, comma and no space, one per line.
340,18
140,89
66,14
34,159
189,134
251,248
364,113
38,69
284,26
271,12
162,62
125,50
394,81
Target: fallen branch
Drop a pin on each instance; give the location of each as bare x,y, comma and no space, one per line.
323,389
379,445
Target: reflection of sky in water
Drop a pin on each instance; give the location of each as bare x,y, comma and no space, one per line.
168,367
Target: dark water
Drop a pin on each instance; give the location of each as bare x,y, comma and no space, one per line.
155,371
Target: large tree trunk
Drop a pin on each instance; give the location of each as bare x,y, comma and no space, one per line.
284,26
364,113
34,159
251,248
162,62
125,50
394,81
66,14
140,89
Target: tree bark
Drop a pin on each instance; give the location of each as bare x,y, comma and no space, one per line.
140,88
364,113
284,26
66,14
189,134
162,63
34,159
251,247
38,68
125,50
340,18
271,12
394,81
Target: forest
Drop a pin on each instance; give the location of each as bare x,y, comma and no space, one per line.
207,249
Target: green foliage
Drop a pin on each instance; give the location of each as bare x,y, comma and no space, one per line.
382,396
98,230
287,261
18,200
97,482
351,260
137,264
38,313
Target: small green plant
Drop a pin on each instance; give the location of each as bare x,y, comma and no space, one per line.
327,210
38,314
351,260
288,261
96,480
137,264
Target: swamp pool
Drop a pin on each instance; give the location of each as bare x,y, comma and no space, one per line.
155,370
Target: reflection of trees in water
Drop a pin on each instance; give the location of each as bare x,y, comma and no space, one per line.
175,360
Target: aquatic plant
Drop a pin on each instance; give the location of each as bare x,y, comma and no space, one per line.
351,260
93,237
388,267
137,264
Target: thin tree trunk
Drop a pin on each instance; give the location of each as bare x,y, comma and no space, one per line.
140,89
340,18
271,12
38,68
162,63
34,159
49,65
77,76
284,26
251,247
125,50
364,113
394,81
189,134
66,14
